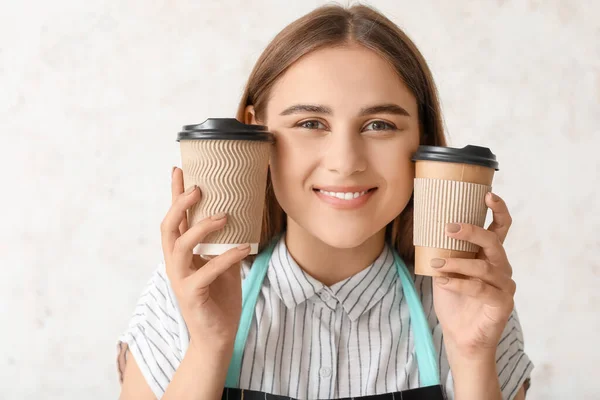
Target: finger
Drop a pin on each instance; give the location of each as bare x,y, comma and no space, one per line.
502,219
177,188
488,294
184,246
476,268
169,227
487,240
218,265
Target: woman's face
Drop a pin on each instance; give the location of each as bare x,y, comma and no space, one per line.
345,126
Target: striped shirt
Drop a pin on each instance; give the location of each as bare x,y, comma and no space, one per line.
311,341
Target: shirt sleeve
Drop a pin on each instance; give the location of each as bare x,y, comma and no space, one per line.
153,334
512,363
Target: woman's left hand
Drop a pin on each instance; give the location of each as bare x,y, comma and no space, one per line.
473,310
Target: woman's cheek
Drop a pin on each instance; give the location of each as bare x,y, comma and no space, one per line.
398,173
286,175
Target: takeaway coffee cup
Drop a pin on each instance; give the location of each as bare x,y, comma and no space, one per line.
228,161
450,187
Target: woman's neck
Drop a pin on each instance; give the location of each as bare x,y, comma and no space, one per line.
327,264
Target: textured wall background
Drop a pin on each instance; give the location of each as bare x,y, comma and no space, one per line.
93,93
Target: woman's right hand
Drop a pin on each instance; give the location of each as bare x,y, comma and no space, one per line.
209,292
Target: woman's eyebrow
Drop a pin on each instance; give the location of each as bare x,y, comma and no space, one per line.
389,108
310,108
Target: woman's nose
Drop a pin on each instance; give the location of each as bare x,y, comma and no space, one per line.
345,154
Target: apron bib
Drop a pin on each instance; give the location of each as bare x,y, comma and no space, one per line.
424,348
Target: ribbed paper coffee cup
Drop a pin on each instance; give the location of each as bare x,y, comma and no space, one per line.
228,161
450,187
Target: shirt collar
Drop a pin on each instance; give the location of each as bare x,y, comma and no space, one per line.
357,294
288,280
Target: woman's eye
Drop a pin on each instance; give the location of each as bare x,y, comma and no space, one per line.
379,126
311,125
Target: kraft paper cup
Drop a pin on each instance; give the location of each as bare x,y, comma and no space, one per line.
450,187
228,161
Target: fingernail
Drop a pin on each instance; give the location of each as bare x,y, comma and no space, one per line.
495,198
442,280
437,262
453,228
190,190
244,246
218,216
172,172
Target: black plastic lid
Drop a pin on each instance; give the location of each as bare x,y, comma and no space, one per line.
475,155
225,129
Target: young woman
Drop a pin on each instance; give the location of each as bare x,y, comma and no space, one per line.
349,99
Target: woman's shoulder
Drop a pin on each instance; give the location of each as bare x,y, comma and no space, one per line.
157,307
156,335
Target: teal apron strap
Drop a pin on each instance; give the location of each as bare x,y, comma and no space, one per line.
426,356
250,291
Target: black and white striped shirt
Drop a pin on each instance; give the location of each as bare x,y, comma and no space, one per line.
310,341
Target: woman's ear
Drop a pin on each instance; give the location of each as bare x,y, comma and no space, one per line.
250,116
250,119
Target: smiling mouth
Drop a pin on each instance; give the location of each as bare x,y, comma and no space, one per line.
345,195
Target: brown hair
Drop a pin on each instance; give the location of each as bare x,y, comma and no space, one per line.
330,26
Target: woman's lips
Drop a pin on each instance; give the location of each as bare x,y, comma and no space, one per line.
343,204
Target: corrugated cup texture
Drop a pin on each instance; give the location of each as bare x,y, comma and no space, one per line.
232,175
438,202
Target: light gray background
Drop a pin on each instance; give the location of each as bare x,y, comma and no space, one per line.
93,93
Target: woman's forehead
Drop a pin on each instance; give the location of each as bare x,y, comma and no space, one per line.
341,77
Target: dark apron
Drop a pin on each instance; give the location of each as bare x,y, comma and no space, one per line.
424,348
422,393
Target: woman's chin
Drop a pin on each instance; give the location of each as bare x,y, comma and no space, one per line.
339,233
343,238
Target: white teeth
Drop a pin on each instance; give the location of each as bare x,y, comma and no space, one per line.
343,196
